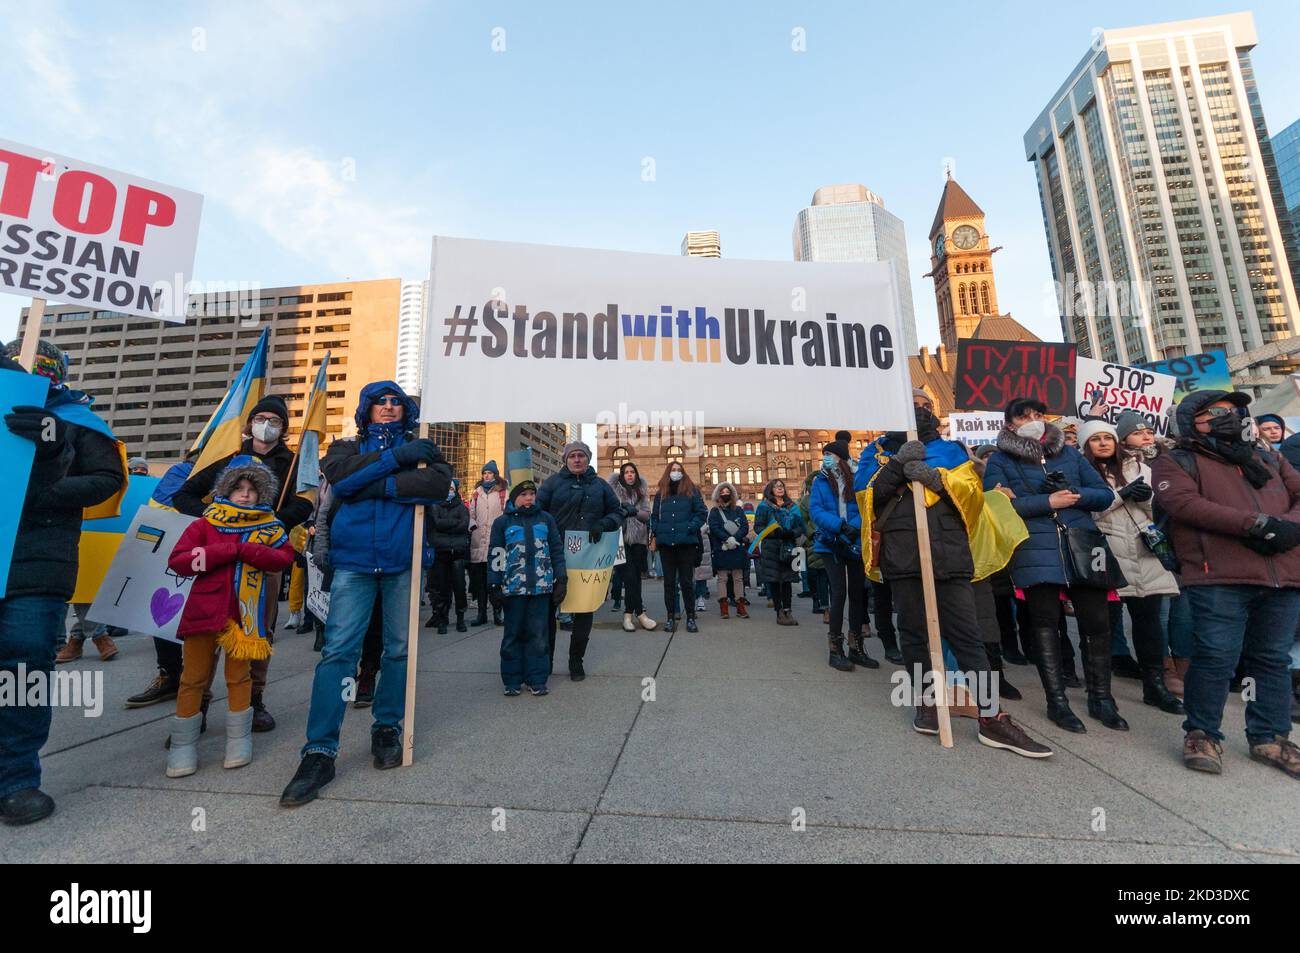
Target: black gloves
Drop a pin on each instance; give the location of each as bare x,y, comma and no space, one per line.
595,534
1139,491
1055,482
1271,535
40,426
560,591
629,510
416,451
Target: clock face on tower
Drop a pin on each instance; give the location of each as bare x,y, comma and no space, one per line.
965,237
938,245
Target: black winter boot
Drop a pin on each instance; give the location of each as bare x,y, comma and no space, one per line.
460,622
1005,688
837,659
497,617
1047,647
1096,672
858,653
1155,693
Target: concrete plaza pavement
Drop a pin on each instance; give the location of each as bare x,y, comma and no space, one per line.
747,732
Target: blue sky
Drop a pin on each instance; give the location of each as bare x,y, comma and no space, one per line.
331,140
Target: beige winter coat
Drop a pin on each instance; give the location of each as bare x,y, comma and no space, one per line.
1122,523
484,507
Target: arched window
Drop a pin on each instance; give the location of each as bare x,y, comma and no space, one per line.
749,475
780,471
713,474
675,452
621,457
733,475
758,474
984,296
961,296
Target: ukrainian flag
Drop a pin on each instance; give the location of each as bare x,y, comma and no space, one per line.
519,466
223,434
313,431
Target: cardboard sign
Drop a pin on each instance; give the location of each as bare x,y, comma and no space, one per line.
620,554
1119,388
975,429
589,566
140,593
16,456
991,374
1195,372
101,538
75,232
317,600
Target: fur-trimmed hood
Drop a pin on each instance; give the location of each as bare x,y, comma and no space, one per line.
1028,449
717,491
621,490
246,468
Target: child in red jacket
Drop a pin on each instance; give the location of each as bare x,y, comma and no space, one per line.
229,552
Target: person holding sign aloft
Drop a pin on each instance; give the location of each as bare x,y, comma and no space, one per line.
1066,556
377,482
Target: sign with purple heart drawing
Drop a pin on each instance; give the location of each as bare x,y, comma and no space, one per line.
139,592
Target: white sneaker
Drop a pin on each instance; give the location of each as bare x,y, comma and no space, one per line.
628,624
647,623
701,605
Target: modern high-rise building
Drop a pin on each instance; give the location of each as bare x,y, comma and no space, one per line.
410,321
702,245
156,383
1286,152
849,223
1160,198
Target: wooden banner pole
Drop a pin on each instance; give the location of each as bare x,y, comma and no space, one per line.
938,672
31,334
413,626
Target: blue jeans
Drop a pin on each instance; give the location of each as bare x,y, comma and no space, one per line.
31,632
525,644
1177,616
1254,623
352,599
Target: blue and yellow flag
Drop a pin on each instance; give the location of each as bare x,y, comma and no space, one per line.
223,434
313,431
992,524
519,466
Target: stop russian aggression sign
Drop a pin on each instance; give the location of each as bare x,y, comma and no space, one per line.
82,234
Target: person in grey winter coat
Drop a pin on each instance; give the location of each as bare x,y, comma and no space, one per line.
634,498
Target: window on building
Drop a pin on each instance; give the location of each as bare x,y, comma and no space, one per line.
780,471
334,296
961,297
296,299
675,452
758,474
984,297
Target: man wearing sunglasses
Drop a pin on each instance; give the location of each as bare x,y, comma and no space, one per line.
376,482
1235,518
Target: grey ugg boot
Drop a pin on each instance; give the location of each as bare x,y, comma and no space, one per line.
239,738
183,755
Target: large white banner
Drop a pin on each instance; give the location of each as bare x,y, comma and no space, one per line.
1118,388
82,234
620,337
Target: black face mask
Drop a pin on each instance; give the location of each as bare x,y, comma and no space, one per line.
725,497
927,424
1226,428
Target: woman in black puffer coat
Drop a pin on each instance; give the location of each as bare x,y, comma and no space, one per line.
676,519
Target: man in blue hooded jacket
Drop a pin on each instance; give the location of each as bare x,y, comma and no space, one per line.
376,482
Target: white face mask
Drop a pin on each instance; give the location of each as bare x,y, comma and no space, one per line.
1034,429
676,475
266,431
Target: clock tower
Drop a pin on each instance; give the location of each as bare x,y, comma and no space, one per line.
961,264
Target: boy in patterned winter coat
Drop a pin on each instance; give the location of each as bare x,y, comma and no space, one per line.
526,573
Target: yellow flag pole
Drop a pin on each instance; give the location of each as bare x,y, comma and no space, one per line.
413,627
938,673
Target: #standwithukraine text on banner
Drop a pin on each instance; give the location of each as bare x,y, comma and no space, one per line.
574,332
75,232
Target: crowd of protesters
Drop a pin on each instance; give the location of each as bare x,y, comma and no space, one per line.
1195,539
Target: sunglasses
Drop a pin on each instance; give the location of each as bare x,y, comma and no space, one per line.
389,402
1225,411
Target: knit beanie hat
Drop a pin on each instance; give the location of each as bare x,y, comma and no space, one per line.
523,486
492,465
51,361
838,447
271,404
576,445
1130,421
1090,428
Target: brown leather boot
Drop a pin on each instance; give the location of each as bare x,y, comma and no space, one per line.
70,652
742,608
107,647
723,606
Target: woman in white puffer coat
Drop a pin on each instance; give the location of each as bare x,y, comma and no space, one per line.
1126,524
486,503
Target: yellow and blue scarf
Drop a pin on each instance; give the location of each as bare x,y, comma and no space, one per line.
252,524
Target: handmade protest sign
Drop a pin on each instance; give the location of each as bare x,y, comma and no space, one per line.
975,429
75,232
750,343
620,554
16,455
318,600
589,566
100,538
1195,372
1117,388
140,592
991,374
